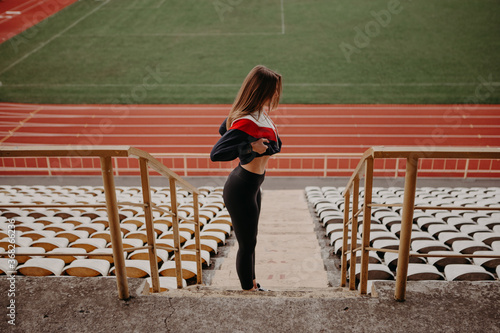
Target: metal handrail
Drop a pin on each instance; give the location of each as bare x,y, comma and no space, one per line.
365,166
146,161
324,164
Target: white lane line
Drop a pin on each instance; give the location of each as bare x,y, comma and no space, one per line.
38,3
353,135
53,37
361,116
282,17
55,125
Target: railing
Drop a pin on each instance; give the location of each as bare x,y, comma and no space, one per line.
412,156
146,161
284,164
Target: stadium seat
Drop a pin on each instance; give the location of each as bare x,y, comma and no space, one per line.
108,251
450,237
469,246
467,273
105,234
89,244
425,222
139,234
135,268
190,255
50,244
188,269
24,227
436,229
206,244
219,227
376,272
73,235
487,237
396,229
425,246
41,267
76,221
489,222
143,254
165,242
391,260
442,262
421,235
489,263
219,237
418,272
21,259
379,235
183,236
472,229
48,220
90,227
37,234
458,222
387,244
166,283
372,258
69,250
8,266
338,245
129,243
88,268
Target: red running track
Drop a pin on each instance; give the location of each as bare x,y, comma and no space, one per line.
17,16
346,129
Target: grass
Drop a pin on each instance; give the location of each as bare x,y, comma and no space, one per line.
199,51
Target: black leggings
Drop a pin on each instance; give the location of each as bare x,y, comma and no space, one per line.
242,199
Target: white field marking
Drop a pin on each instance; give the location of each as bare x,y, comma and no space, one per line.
160,3
181,34
52,38
12,12
282,17
225,85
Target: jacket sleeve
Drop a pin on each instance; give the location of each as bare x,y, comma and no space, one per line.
233,144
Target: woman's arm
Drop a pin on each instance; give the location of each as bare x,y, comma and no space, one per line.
236,143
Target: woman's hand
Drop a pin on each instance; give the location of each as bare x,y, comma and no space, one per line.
259,147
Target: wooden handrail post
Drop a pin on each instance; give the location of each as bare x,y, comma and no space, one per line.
406,226
114,227
354,233
367,219
150,231
199,274
175,227
343,267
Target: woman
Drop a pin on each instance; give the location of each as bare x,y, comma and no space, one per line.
249,134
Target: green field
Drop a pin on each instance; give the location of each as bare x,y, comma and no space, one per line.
199,51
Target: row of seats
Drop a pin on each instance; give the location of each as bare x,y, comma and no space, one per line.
84,232
433,231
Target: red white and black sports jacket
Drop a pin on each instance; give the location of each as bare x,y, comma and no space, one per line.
235,142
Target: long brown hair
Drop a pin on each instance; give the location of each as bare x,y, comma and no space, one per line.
261,87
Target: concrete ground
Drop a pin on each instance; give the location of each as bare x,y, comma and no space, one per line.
68,304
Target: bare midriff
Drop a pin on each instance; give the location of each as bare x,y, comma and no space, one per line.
258,165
